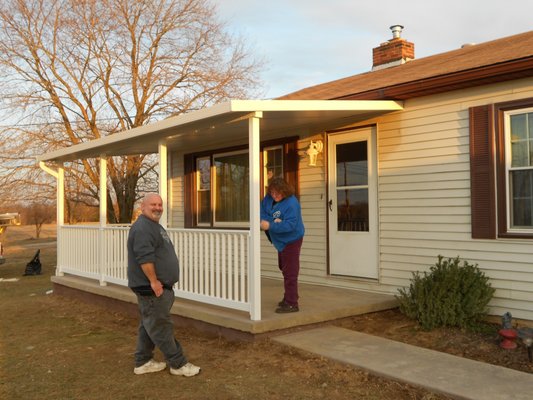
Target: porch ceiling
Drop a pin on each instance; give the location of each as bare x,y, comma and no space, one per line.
227,122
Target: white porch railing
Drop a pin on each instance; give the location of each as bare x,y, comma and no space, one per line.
213,263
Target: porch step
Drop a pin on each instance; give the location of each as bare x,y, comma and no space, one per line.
438,372
318,305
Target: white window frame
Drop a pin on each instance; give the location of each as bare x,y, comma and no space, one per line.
198,177
508,168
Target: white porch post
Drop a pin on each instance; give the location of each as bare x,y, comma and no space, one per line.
254,273
60,193
60,215
60,207
103,219
163,182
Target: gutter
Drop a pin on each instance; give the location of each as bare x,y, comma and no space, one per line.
47,169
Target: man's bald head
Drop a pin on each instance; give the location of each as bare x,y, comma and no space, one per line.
152,206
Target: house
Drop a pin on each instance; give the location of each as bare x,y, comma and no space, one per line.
393,167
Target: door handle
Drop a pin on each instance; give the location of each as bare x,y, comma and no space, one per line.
330,204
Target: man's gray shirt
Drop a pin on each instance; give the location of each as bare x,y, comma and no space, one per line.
148,242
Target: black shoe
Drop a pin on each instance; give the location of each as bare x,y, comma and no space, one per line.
286,308
281,303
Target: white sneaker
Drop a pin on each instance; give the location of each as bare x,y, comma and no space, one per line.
187,370
150,366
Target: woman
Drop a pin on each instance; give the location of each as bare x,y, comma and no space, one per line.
281,219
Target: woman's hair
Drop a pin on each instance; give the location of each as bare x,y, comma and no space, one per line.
281,186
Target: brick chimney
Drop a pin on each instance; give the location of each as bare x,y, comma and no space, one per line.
396,51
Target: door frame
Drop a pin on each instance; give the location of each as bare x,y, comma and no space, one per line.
374,151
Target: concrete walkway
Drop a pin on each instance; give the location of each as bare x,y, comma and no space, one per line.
438,372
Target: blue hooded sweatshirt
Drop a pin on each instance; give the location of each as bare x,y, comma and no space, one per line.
291,228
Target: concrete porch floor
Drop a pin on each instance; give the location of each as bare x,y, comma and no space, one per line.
318,304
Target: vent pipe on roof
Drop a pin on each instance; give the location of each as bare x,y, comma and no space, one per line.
396,31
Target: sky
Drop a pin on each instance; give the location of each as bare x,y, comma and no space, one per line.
308,42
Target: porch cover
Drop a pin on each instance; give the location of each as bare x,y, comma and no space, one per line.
235,121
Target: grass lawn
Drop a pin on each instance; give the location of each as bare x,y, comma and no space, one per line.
52,347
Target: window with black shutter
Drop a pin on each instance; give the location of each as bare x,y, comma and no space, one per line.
501,170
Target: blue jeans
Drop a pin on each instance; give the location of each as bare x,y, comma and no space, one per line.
156,329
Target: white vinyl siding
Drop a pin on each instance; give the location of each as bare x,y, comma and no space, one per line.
423,197
424,201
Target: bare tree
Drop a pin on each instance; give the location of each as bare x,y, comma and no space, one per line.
37,214
77,70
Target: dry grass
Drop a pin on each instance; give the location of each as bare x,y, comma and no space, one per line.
57,348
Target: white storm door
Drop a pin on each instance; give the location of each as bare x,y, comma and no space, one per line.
352,205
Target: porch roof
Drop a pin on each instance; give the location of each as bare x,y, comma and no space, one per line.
225,122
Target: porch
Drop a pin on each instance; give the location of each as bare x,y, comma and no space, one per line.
221,269
318,305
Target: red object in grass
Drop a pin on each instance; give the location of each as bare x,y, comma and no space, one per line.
508,338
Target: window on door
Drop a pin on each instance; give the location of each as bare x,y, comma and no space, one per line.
352,186
272,165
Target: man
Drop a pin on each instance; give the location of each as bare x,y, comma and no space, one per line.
152,272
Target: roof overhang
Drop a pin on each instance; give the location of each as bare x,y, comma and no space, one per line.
485,75
228,122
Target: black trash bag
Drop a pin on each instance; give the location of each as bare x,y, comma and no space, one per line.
34,266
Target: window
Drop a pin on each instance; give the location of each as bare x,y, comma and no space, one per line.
352,186
217,182
232,192
519,168
272,164
501,167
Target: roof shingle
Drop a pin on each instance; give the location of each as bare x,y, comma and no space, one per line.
469,58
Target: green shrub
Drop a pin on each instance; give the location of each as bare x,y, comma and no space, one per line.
448,295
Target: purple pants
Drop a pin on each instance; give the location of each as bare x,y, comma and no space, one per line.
289,265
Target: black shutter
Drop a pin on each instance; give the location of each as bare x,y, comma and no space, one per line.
482,185
290,164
